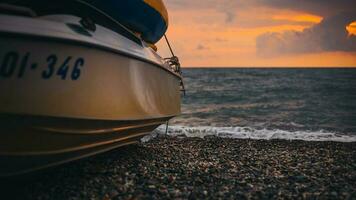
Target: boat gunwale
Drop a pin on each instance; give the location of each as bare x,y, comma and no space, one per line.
89,44
164,118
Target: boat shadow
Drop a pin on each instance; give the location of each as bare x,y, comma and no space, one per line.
76,173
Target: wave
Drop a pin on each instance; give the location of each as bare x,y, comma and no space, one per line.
249,133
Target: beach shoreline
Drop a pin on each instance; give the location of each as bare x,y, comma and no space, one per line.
188,168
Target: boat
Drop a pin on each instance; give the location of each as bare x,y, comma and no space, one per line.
78,79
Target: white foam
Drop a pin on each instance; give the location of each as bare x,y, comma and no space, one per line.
249,133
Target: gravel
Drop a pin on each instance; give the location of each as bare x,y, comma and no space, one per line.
190,168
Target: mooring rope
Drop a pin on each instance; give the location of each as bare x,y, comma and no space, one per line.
167,127
169,45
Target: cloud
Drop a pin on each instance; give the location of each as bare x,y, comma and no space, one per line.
227,7
219,39
267,27
201,47
230,17
324,8
231,8
329,35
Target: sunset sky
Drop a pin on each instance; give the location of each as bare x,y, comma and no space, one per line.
258,33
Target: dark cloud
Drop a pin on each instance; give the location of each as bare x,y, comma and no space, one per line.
230,17
201,47
323,8
218,39
329,35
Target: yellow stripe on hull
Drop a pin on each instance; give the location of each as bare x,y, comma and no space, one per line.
159,6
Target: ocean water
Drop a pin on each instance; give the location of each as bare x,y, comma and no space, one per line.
304,104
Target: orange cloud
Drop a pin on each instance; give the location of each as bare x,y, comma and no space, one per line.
298,17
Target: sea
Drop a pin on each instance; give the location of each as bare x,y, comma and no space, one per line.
267,103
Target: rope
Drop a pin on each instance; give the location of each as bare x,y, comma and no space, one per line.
174,62
169,45
167,127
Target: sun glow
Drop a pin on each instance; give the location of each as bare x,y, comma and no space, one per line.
351,28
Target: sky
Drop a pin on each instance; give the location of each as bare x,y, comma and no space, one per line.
262,33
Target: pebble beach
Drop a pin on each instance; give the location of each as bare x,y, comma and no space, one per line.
200,168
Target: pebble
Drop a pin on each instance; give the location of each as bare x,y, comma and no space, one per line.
195,168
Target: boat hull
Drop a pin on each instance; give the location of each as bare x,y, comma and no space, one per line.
63,99
111,86
31,143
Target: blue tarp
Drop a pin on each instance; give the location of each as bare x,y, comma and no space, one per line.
135,15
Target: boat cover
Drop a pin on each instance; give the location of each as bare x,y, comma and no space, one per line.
147,17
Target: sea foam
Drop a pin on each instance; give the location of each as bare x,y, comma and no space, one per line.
249,133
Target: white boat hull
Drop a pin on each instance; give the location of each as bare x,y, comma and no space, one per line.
111,86
63,99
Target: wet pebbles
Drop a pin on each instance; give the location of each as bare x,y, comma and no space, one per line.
190,168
